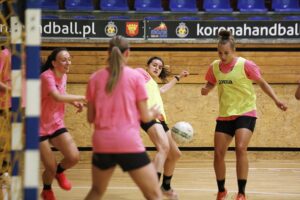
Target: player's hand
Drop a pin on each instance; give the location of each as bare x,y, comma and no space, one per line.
155,111
184,73
207,88
281,105
79,106
205,91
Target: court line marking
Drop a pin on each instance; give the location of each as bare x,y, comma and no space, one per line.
193,189
201,168
250,168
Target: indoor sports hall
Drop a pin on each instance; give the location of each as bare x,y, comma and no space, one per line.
185,34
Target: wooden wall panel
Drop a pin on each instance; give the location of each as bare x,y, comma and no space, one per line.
280,67
184,103
277,67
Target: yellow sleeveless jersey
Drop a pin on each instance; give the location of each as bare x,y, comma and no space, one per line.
154,96
235,90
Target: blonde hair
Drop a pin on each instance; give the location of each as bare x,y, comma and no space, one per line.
225,37
117,46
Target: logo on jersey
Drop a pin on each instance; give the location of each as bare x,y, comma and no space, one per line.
225,82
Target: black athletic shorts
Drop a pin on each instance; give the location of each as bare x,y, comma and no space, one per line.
146,126
127,161
55,134
229,127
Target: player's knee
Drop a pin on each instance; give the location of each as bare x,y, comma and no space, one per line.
175,155
73,159
241,149
178,155
219,153
153,194
163,148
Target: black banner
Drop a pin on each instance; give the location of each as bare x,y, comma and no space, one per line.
137,29
69,28
210,29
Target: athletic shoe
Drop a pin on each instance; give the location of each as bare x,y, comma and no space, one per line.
48,195
222,195
169,194
63,182
240,197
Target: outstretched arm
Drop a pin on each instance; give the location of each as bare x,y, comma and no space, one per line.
148,114
207,88
170,84
297,94
270,92
66,98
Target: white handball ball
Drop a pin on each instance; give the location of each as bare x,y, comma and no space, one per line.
182,132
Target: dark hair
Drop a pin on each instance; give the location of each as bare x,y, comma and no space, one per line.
164,72
117,46
48,64
225,37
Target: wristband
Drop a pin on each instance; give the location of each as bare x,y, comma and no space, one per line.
177,78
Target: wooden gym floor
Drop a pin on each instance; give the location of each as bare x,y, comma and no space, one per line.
272,176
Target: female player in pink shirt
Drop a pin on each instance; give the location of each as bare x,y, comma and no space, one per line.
5,81
117,101
237,109
5,104
52,128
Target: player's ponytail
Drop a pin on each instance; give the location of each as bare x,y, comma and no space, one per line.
225,37
117,46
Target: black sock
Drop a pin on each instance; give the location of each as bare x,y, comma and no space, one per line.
221,184
59,169
158,175
242,185
166,184
47,187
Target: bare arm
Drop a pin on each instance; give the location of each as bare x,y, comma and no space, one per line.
90,112
67,98
297,93
207,88
146,114
169,85
270,92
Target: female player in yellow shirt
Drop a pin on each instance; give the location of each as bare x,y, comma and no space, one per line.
233,77
168,152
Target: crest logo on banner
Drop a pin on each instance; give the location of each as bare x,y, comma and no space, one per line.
132,28
160,31
182,30
111,29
